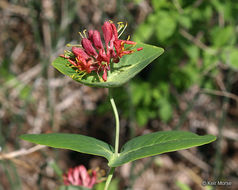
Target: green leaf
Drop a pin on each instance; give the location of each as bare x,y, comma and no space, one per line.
139,147
121,72
165,26
182,186
233,58
158,143
144,32
72,187
166,110
79,143
142,116
223,36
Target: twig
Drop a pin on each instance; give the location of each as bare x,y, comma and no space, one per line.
191,38
220,93
195,160
197,3
178,6
220,83
25,77
195,177
227,133
210,67
16,9
196,41
68,100
21,152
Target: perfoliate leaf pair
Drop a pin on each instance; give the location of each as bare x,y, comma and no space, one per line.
120,73
138,147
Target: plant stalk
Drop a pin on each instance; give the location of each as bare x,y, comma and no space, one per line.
109,178
117,122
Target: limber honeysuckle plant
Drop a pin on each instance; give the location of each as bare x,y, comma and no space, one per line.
110,65
79,176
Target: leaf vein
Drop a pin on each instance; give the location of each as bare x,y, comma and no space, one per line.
150,145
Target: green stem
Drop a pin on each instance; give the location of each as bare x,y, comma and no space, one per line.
109,177
117,122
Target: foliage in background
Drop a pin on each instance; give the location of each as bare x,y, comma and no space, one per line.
195,32
197,37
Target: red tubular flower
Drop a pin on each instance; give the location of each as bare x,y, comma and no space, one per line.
104,76
85,65
95,38
78,52
103,57
114,32
93,56
73,63
120,47
90,35
107,32
88,47
79,176
82,60
110,35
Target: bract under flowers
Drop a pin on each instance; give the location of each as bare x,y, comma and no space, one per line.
93,56
79,176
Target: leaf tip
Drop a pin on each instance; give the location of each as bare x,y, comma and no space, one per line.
213,138
22,137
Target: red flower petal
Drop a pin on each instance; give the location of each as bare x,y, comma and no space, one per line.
79,52
96,40
79,176
107,32
104,76
87,45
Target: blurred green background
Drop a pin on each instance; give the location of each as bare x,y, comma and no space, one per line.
193,86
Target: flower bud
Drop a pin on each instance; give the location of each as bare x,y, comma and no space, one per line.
107,32
97,42
114,32
90,35
79,176
79,52
88,47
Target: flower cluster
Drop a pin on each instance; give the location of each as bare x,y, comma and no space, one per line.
92,56
79,176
